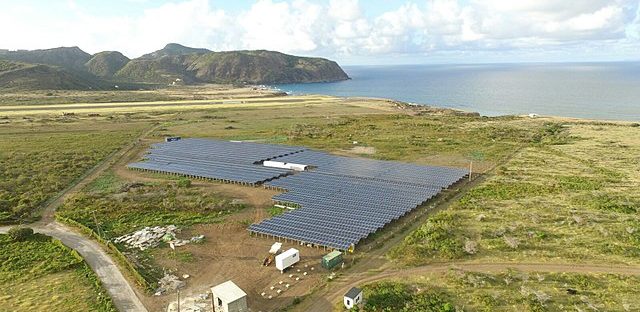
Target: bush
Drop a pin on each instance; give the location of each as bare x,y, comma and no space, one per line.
20,234
183,182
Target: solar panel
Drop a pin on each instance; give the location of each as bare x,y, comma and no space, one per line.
341,201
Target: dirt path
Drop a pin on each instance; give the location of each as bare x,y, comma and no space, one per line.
49,210
328,297
121,292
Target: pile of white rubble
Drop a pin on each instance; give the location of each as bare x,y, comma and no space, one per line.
150,237
168,284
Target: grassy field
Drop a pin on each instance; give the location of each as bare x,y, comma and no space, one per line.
395,135
507,291
553,190
122,207
41,274
572,202
40,158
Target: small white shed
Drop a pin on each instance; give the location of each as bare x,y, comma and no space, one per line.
287,259
352,298
228,297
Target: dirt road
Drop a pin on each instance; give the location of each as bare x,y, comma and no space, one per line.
121,292
326,298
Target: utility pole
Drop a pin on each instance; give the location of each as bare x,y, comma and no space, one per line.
95,220
175,259
470,169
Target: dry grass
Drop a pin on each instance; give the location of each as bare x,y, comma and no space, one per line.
574,202
508,291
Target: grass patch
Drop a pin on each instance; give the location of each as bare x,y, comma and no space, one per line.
276,211
39,161
437,238
506,291
125,211
42,274
609,202
392,296
573,202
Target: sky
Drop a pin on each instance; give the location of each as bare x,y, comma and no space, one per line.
348,31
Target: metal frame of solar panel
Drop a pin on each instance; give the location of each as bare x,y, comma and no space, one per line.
344,200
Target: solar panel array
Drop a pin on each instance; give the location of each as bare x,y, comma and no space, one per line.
219,160
376,169
341,201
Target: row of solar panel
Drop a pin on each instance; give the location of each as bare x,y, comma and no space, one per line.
211,172
245,152
346,200
368,168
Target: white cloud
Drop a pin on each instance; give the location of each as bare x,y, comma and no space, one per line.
337,28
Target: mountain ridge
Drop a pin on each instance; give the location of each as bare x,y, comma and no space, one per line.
171,64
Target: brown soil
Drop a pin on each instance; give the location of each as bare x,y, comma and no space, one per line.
230,253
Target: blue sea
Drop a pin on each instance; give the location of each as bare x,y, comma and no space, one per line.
586,90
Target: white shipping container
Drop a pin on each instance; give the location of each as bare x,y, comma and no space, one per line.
287,259
284,165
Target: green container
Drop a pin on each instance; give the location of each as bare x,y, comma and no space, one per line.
331,259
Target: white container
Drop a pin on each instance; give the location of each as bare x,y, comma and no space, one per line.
284,165
287,259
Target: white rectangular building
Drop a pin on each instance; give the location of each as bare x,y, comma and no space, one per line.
228,297
352,298
284,165
287,259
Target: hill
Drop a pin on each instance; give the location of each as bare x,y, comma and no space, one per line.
70,67
173,49
107,63
23,76
71,58
233,67
264,67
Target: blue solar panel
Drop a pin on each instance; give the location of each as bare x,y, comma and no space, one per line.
339,202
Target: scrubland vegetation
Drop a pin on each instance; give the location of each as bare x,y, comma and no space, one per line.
121,207
38,160
40,274
572,202
507,291
550,191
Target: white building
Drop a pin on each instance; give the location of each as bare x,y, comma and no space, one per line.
284,165
353,297
228,297
287,259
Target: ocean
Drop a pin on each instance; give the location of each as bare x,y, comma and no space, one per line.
609,91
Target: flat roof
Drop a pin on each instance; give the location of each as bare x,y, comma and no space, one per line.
228,291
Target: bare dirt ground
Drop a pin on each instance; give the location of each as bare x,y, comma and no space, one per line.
361,150
229,253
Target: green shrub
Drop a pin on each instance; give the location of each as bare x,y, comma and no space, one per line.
183,182
393,296
20,234
436,238
275,211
